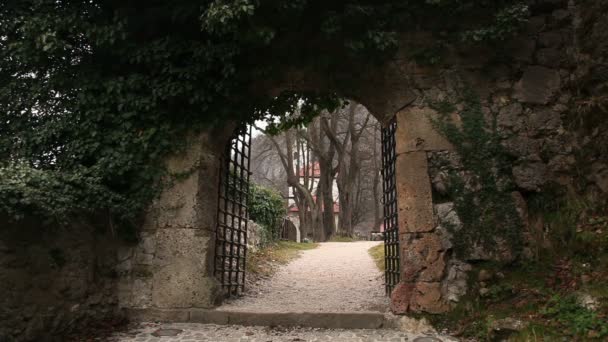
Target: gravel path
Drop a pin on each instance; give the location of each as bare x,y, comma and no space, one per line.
192,332
335,277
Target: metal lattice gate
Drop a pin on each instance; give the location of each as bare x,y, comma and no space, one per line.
231,234
389,200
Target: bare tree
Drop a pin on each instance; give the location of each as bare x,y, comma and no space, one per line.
344,146
325,152
309,210
266,166
348,163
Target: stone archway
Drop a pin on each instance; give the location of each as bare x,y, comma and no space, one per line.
171,267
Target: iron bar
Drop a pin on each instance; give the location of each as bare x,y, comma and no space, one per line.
389,199
233,215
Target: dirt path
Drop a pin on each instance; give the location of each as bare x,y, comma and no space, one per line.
335,277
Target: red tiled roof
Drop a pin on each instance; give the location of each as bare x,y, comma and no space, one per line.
313,171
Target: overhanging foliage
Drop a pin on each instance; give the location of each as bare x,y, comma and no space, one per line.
99,91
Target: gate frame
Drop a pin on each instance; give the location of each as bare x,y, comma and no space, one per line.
233,213
392,270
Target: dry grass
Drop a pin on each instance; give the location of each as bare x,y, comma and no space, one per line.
263,263
377,253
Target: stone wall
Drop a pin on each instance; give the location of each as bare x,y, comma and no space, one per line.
172,265
54,280
57,280
529,89
542,93
530,93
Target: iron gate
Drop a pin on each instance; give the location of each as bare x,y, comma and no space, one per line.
231,234
389,200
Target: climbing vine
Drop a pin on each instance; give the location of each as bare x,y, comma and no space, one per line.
482,191
267,208
95,94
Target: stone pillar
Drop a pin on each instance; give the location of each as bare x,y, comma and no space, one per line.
423,255
172,265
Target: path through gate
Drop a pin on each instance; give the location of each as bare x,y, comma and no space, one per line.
231,234
389,200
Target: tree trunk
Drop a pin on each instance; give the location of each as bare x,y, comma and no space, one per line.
326,181
316,218
378,215
346,190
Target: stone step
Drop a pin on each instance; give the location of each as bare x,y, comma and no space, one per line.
326,320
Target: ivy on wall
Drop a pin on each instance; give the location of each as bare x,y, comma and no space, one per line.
482,191
94,94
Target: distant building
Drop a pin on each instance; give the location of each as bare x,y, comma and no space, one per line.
311,172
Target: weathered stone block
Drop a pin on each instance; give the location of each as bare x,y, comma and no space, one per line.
424,257
543,121
414,197
427,298
415,131
188,200
455,283
537,85
509,117
521,49
141,292
181,285
178,207
401,297
599,175
183,277
191,244
530,176
419,297
447,216
550,57
551,39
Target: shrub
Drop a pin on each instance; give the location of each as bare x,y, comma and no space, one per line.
267,208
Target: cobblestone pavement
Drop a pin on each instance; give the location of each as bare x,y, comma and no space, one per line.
335,277
193,332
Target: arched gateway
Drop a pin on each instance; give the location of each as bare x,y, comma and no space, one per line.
175,264
178,264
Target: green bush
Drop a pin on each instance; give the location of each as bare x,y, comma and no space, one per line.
104,91
267,208
576,319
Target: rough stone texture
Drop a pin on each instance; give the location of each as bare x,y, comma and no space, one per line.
447,216
455,284
426,258
418,134
530,102
414,197
428,297
417,297
172,265
528,97
54,280
538,85
530,176
510,117
193,332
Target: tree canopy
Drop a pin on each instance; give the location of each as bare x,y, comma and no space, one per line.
94,93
